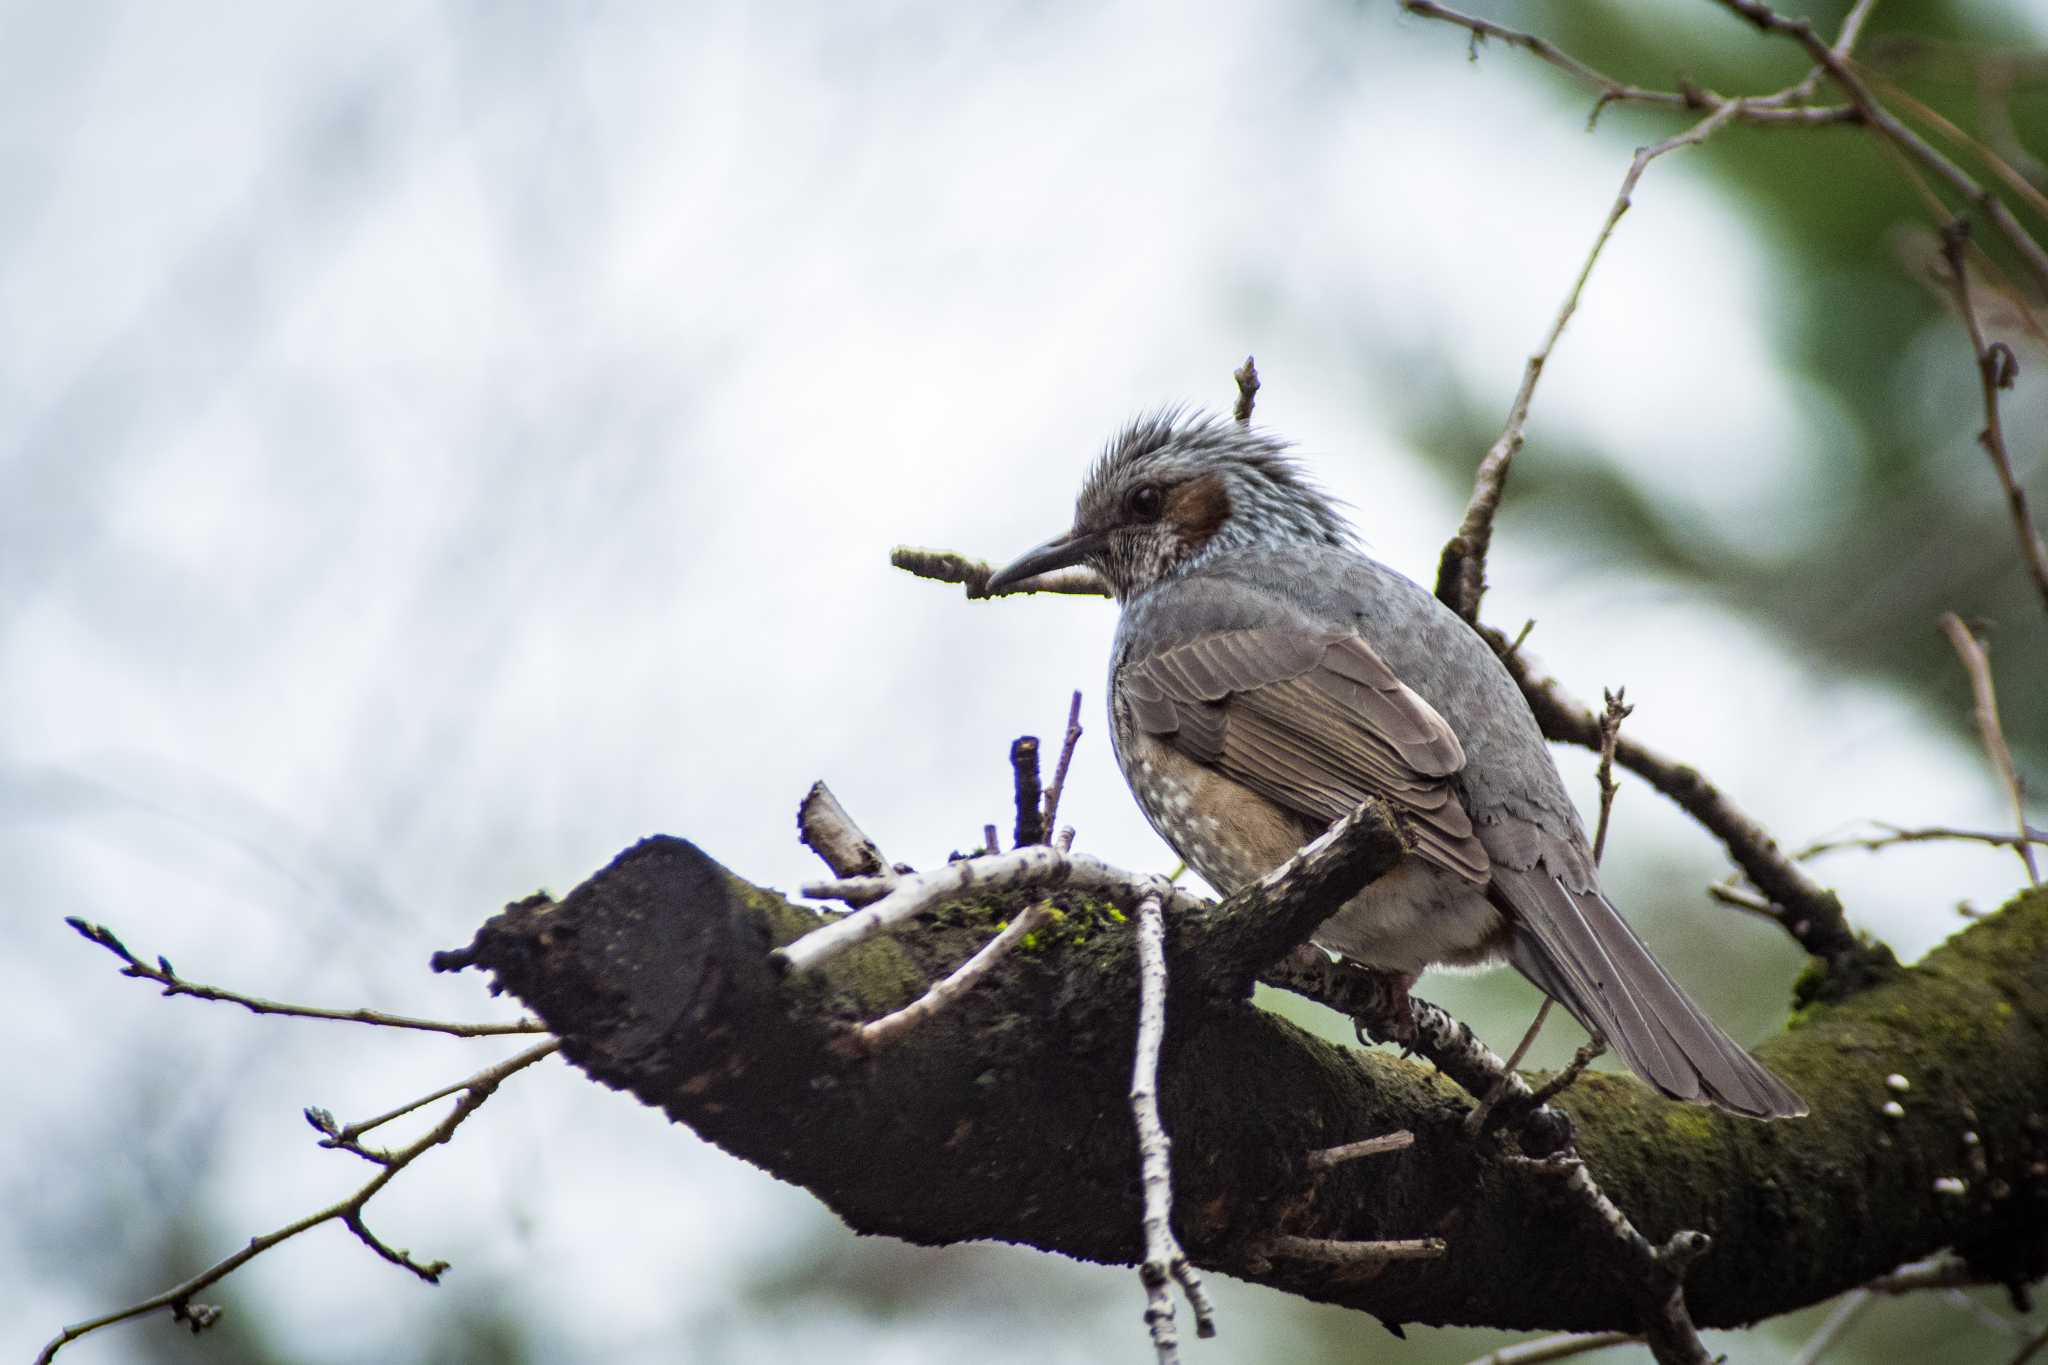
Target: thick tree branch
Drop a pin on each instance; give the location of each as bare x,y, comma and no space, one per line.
1004,1117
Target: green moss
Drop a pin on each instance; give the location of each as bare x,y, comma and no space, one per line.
1689,1123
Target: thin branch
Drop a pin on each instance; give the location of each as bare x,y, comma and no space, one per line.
2014,179
1562,1081
1945,1271
349,1212
887,1029
1059,772
1040,866
1781,110
1730,892
1563,1346
1985,706
944,566
1899,834
1905,139
1475,1122
1996,368
1461,572
1611,717
1247,377
173,984
1329,1158
828,831
1030,827
1165,1263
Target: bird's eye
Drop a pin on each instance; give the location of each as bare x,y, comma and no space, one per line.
1143,502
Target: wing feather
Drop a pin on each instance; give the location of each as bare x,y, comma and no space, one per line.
1315,723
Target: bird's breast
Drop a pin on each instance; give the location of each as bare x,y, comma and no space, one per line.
1227,832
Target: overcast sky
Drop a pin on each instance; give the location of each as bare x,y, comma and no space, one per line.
442,444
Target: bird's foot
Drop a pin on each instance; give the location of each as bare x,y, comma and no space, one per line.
1385,1013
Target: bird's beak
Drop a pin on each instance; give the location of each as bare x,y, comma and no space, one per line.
1061,552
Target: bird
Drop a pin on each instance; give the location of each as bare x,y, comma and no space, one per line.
1267,677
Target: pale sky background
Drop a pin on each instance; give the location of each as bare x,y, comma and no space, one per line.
442,444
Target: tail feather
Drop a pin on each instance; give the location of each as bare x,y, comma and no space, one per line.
1577,948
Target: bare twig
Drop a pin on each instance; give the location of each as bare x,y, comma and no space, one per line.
828,831
1059,772
1943,1271
1329,1158
1040,866
1558,1084
2035,1345
887,1029
1475,1121
944,566
1846,1310
1611,717
1461,572
1996,162
1165,1263
1247,377
1521,635
174,984
1563,1346
1031,827
1776,111
1731,892
1985,705
1838,67
989,842
1996,368
1899,834
348,1212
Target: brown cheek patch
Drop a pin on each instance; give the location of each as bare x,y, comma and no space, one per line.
1197,509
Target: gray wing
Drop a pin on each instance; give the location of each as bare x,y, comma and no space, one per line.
1315,723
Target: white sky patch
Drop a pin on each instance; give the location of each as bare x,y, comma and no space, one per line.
457,443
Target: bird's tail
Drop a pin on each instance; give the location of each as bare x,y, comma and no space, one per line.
1577,948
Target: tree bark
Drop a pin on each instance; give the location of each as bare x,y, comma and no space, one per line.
1006,1117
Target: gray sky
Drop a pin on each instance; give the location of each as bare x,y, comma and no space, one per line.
439,446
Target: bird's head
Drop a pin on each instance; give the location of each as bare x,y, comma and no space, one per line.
1173,489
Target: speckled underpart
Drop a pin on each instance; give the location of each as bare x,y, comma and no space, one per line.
1415,917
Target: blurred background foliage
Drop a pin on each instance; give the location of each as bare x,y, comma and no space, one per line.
1910,521
1900,520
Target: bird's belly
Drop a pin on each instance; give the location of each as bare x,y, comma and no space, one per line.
1414,917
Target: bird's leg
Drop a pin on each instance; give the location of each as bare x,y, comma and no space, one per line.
1385,1012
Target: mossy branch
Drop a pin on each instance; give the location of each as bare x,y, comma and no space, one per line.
1002,1119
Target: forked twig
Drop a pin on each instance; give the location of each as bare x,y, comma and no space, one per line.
164,975
349,1212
